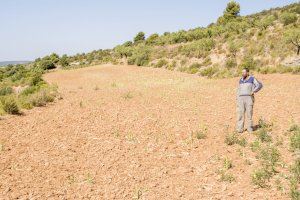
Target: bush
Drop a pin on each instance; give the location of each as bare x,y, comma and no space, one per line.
140,56
248,62
161,63
267,70
260,178
224,73
230,63
264,124
269,157
209,71
35,79
255,146
46,64
42,97
152,39
227,177
288,18
6,90
193,68
294,191
172,65
263,135
29,90
295,169
10,106
139,37
295,139
198,48
227,163
266,22
232,139
201,135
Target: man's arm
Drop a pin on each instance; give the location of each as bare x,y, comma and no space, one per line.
257,85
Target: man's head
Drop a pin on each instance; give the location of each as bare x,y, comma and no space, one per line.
245,72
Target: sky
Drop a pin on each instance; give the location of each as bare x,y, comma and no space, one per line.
35,28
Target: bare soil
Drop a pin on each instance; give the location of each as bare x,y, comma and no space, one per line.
125,132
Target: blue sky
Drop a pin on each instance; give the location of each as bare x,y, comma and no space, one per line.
34,28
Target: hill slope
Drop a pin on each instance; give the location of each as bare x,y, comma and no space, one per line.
261,42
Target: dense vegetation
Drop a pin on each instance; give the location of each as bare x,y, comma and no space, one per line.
23,87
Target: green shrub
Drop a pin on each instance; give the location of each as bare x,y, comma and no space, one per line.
152,39
206,61
264,124
294,127
295,169
36,79
295,139
9,105
6,90
267,70
227,163
230,63
209,71
139,37
263,135
248,62
227,177
288,18
260,177
172,65
224,73
46,64
42,97
29,90
294,191
266,22
233,138
255,146
269,157
140,56
200,135
193,68
161,63
198,48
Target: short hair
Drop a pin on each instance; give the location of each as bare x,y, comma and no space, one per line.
247,69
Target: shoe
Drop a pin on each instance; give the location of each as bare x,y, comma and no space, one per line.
238,131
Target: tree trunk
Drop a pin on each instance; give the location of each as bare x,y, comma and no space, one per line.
298,52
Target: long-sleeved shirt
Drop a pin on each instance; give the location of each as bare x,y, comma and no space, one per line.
248,86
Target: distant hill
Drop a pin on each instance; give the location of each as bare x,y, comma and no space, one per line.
4,63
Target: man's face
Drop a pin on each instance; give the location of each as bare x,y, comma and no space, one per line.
245,73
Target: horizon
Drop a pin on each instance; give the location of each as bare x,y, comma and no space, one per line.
36,29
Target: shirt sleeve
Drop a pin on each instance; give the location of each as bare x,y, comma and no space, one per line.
257,85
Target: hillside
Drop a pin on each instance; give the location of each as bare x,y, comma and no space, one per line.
266,42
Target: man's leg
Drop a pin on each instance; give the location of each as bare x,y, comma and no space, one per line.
249,112
240,114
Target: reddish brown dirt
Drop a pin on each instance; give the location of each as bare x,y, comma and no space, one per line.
123,132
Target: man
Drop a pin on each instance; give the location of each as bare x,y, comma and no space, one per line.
248,86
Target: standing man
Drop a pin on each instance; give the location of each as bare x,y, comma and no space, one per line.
248,86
